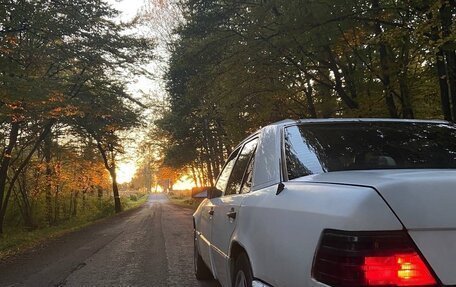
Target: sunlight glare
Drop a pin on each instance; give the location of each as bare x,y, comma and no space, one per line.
125,172
184,183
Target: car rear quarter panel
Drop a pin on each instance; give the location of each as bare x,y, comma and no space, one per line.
281,232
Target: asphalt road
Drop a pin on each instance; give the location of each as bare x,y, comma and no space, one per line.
149,246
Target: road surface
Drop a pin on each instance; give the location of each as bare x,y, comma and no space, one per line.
148,246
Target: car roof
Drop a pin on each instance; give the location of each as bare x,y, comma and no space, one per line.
350,120
290,122
269,147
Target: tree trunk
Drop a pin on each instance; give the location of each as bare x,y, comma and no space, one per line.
200,174
210,173
407,109
99,193
75,204
449,63
115,190
111,167
195,180
28,219
406,103
443,84
451,68
338,79
148,177
47,158
206,148
19,170
66,211
56,206
310,102
385,66
437,34
14,132
84,199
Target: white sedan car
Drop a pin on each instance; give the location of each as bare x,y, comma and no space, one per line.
333,203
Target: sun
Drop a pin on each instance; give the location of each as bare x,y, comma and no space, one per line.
125,172
183,183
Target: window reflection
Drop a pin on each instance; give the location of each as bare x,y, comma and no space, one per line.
225,174
237,176
247,182
316,148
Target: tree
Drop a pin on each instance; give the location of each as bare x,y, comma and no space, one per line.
52,54
236,66
105,116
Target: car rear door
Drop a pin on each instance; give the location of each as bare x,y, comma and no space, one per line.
226,210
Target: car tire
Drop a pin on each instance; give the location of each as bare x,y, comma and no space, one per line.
243,275
202,272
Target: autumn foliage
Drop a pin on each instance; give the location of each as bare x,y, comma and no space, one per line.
63,107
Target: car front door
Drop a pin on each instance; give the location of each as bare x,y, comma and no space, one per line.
226,211
203,232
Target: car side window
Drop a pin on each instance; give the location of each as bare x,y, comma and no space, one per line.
248,176
222,181
240,168
301,158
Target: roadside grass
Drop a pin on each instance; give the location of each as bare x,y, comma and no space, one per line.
18,239
183,198
134,200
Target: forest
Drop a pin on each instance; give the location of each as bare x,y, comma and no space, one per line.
236,66
64,108
67,114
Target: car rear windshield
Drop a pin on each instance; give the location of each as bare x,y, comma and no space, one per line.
323,147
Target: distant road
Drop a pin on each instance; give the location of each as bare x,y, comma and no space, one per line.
149,246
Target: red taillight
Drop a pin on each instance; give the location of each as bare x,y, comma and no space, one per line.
397,270
370,259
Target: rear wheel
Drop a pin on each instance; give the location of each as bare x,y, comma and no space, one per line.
243,275
202,272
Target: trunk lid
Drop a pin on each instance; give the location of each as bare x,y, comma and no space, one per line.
424,201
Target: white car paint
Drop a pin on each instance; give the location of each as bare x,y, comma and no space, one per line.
408,191
222,232
280,232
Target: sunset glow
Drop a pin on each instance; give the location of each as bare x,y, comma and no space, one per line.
125,172
184,183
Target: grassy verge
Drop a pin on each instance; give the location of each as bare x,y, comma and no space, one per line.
17,240
184,199
134,201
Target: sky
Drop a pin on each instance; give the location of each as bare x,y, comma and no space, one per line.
127,166
129,8
141,86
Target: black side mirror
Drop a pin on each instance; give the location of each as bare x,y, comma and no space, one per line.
213,192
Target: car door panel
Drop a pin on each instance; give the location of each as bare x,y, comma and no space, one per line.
222,231
226,212
204,231
207,213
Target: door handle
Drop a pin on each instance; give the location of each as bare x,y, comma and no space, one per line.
231,214
211,212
